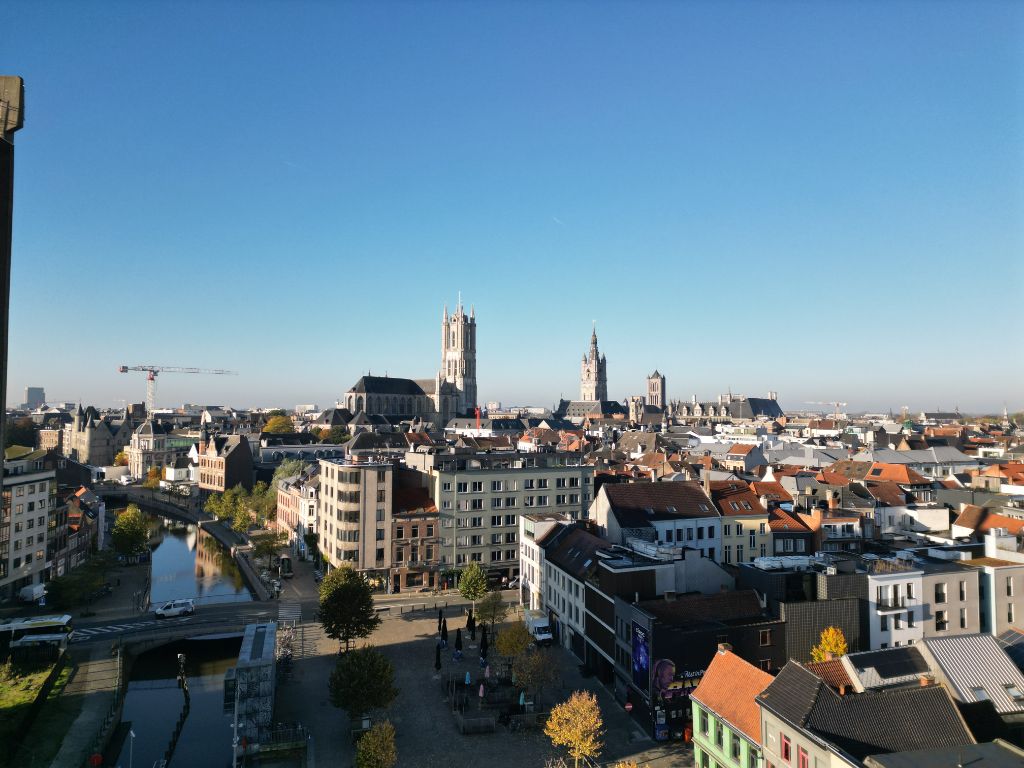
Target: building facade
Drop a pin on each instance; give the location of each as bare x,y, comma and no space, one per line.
458,355
28,506
656,396
154,445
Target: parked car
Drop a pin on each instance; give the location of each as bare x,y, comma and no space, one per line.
514,584
175,608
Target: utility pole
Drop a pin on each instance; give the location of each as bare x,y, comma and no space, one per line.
12,118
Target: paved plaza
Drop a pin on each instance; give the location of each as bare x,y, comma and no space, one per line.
427,734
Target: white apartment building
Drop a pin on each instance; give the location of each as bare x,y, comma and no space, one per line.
533,529
895,606
354,514
27,514
481,496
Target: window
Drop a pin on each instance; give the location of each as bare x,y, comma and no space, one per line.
910,591
787,749
1014,692
1009,613
940,592
727,553
963,591
761,528
801,758
430,531
726,530
739,529
963,618
462,488
446,486
719,735
735,747
400,532
476,522
415,531
765,637
497,485
910,619
703,720
941,622
979,694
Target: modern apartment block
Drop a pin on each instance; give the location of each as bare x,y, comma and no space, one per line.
29,499
480,497
354,519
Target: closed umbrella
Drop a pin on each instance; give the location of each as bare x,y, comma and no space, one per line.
437,657
483,646
469,680
471,625
481,695
444,634
439,619
458,639
487,672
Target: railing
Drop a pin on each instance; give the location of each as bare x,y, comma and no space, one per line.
890,603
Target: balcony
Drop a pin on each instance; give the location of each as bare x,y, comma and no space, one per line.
888,604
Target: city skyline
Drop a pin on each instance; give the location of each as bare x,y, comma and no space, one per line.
746,197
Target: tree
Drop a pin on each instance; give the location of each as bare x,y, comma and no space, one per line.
279,425
831,645
20,432
513,640
473,583
576,724
534,670
335,435
376,747
152,478
287,468
130,531
240,519
121,460
346,606
363,679
266,545
492,609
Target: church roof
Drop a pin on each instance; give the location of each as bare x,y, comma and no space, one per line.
387,385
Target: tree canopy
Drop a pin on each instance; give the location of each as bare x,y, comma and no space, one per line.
121,460
376,748
473,583
362,680
242,507
492,609
279,425
534,670
152,478
287,468
576,724
513,640
831,645
335,435
20,432
130,531
346,606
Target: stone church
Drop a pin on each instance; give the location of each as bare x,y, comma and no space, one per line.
450,393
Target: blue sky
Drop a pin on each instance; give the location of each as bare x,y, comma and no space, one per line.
823,199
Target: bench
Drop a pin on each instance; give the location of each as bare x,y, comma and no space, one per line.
475,723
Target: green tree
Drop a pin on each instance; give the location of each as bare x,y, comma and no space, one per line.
473,583
279,425
362,680
336,435
831,645
376,748
130,532
266,545
346,606
241,519
287,468
577,725
20,432
513,640
492,609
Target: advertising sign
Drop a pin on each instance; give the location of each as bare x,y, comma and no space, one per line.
641,658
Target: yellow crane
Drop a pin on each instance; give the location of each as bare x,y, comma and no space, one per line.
152,371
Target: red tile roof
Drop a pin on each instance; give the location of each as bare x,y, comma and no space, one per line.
733,497
729,688
780,520
773,491
740,450
831,672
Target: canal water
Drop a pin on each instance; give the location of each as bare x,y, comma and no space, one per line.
154,703
188,562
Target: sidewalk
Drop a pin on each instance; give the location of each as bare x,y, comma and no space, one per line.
96,680
130,584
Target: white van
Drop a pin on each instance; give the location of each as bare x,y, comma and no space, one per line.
175,608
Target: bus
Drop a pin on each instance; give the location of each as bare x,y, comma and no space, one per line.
286,567
33,632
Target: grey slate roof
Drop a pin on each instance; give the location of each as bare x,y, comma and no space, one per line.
635,505
863,724
994,754
386,385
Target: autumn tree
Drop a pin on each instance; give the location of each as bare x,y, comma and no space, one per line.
121,460
473,583
492,609
513,640
576,725
335,435
279,424
346,606
362,680
376,748
152,480
831,645
534,670
130,532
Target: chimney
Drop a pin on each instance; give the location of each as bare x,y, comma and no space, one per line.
926,680
706,476
724,647
842,690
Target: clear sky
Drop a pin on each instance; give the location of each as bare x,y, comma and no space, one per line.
820,198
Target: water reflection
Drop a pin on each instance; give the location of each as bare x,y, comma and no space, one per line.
153,703
189,562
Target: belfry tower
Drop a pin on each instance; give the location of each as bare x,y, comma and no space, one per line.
458,354
593,373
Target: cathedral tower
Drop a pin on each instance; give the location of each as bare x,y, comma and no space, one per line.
458,354
656,390
593,373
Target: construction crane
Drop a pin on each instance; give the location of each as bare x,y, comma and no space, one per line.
834,404
152,371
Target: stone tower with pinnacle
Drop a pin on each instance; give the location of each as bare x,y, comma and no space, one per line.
458,354
593,373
